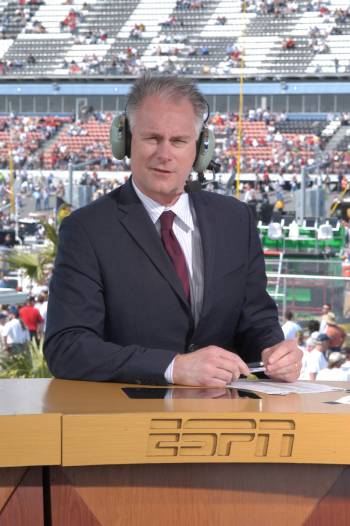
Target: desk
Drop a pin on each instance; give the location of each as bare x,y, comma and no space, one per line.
188,459
29,436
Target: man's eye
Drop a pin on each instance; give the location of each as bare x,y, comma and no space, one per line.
179,141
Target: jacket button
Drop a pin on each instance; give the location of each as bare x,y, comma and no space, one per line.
191,347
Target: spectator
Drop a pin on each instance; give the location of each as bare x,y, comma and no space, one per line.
334,371
309,346
288,43
41,305
335,333
290,328
31,60
326,308
15,333
313,325
316,359
346,364
32,318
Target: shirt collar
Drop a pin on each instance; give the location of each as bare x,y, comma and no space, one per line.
181,208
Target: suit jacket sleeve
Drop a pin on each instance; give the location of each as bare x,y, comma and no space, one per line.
74,339
258,326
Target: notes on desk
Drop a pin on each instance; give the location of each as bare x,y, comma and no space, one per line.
281,388
343,400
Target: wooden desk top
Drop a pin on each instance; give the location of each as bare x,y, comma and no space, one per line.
101,424
66,397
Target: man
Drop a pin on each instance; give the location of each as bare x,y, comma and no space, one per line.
31,318
334,372
41,305
316,359
309,346
336,334
120,308
326,308
346,364
15,334
290,328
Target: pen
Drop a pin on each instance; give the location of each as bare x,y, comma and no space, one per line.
256,367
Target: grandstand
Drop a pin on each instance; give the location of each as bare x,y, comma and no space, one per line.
75,59
201,38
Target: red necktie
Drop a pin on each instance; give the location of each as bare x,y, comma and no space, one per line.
173,248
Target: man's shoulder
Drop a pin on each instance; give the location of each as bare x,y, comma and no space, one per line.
96,210
10,323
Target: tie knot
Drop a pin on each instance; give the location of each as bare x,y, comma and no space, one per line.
166,220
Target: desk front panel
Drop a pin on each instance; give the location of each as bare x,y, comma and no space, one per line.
216,437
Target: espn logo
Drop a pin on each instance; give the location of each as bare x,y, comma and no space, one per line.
235,438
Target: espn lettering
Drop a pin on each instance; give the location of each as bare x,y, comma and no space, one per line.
236,438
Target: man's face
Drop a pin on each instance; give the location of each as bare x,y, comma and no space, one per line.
163,147
323,346
325,309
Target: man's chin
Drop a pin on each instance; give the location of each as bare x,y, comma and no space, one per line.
166,195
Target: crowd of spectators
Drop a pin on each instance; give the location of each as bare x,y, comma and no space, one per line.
137,31
71,21
23,136
275,7
22,15
173,52
93,36
19,324
190,4
326,355
267,145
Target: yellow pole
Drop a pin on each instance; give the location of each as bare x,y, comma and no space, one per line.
12,186
240,114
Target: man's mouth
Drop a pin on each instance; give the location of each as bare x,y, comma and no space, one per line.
162,171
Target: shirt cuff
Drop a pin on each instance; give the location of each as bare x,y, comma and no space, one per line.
169,372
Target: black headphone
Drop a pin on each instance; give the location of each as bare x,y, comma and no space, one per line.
120,138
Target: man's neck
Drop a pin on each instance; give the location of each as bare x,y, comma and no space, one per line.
159,201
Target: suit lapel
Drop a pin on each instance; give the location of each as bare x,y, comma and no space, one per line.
207,226
134,217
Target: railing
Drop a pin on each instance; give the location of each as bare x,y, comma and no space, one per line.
305,294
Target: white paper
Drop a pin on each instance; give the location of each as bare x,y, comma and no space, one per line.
281,388
343,400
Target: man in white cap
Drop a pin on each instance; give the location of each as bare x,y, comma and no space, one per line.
316,359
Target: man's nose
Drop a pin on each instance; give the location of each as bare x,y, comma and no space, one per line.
164,150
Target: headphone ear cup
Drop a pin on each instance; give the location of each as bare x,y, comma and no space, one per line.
205,150
120,137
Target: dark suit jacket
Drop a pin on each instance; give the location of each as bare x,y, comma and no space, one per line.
117,311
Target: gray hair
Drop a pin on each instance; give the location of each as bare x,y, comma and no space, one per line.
171,88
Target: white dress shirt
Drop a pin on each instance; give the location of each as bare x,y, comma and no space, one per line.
186,230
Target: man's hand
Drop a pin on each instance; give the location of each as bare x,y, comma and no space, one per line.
283,361
210,367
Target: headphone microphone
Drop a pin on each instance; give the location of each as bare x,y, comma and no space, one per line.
192,186
200,182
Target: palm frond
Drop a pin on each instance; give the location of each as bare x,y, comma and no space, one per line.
52,235
29,262
30,363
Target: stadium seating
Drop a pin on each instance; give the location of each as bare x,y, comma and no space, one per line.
193,37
